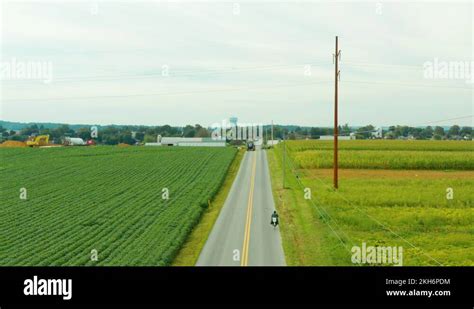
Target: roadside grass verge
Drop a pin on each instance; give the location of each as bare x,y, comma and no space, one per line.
189,252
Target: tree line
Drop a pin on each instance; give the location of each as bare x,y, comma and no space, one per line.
367,132
112,135
109,135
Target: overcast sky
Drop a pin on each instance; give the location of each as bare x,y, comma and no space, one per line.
250,60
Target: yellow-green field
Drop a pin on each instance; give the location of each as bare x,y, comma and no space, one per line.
392,193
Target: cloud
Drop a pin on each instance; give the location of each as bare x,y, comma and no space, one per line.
264,51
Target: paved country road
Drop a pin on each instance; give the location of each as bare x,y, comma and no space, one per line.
242,234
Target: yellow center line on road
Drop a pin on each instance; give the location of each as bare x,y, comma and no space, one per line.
248,223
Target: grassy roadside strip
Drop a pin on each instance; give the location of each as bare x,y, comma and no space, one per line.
189,252
303,234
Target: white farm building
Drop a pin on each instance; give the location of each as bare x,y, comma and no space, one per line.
188,141
340,137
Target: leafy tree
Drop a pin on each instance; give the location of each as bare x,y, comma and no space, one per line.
150,138
345,130
427,132
166,130
83,133
126,138
139,136
21,138
455,130
314,132
30,130
291,135
3,132
466,131
365,132
189,131
416,132
390,135
62,131
44,131
202,132
439,131
279,132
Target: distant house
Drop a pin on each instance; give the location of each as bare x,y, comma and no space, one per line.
188,141
378,133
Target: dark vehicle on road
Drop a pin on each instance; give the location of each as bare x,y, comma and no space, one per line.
274,220
250,146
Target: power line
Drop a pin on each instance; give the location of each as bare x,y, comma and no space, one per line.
292,167
370,217
438,121
172,73
222,90
322,214
384,226
165,93
198,72
407,84
383,65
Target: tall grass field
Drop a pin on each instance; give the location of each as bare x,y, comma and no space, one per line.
417,195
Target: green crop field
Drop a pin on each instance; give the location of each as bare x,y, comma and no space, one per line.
426,155
391,193
383,145
107,199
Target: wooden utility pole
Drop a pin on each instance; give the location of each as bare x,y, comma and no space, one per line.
337,55
266,137
284,159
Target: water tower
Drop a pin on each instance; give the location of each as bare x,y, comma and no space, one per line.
233,120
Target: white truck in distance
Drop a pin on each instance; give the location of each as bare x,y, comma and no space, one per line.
74,141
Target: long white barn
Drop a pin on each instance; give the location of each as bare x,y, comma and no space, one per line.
189,142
